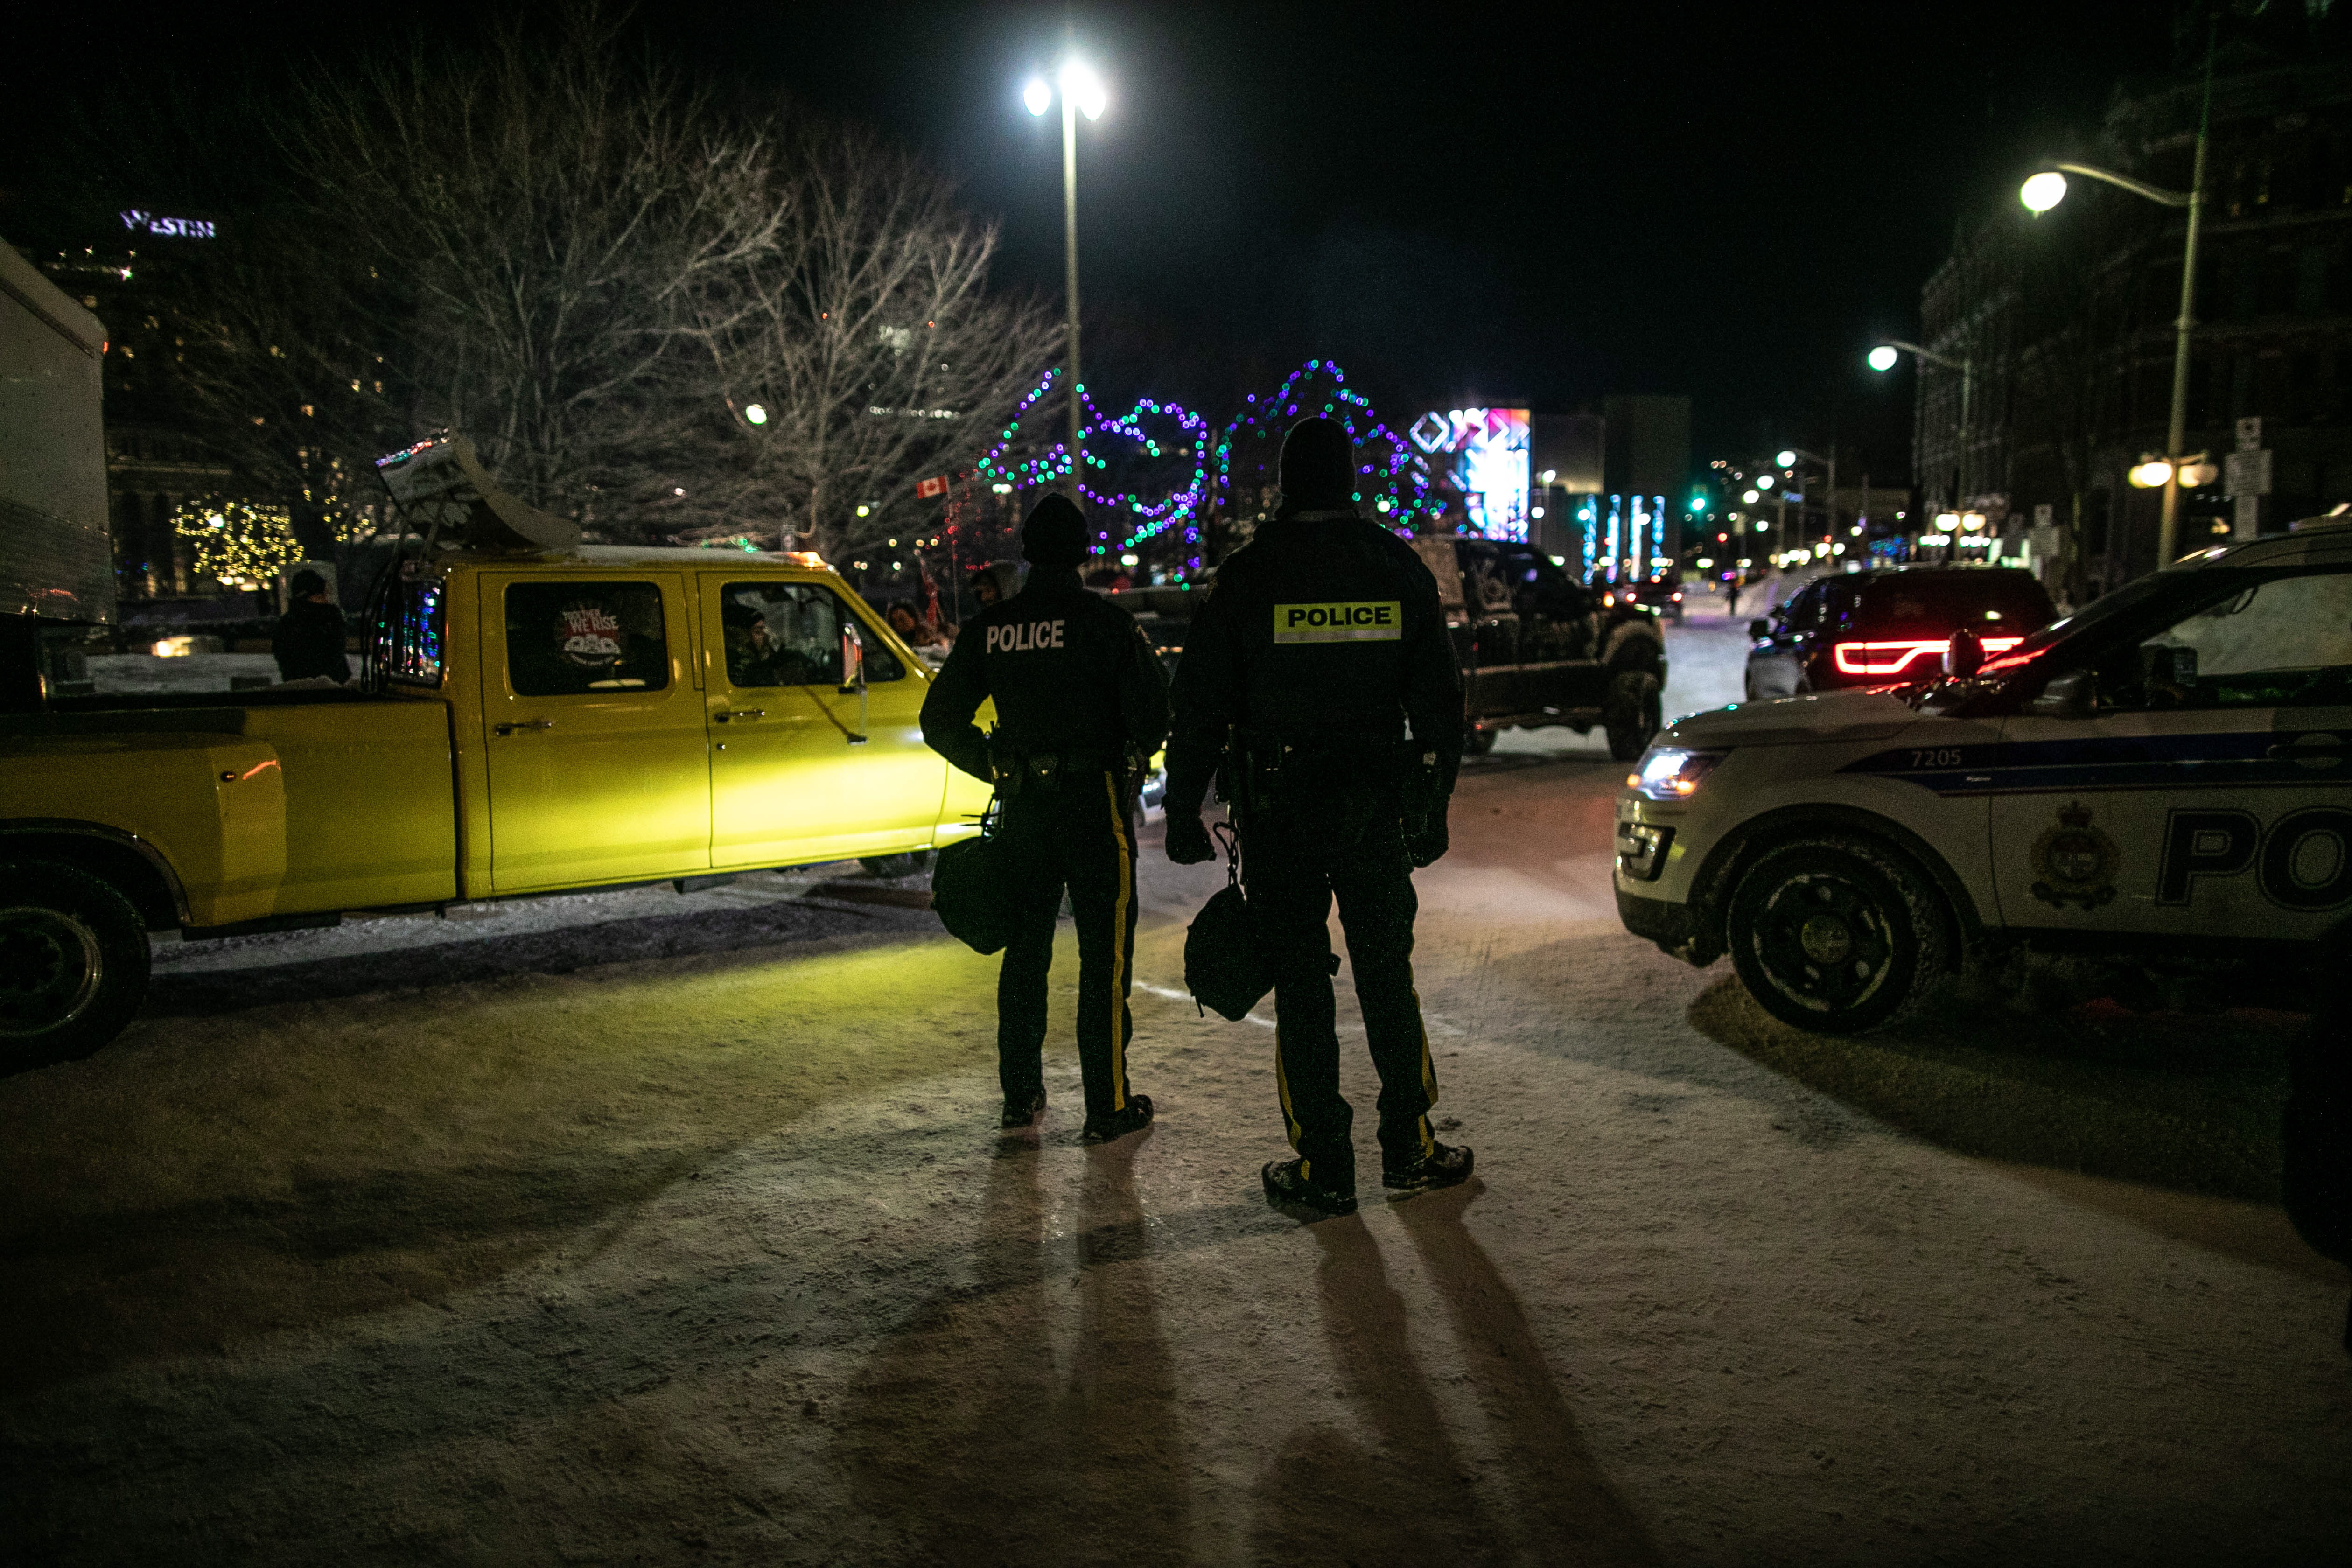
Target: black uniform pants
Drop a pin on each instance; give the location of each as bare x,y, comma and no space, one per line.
1298,853
1075,834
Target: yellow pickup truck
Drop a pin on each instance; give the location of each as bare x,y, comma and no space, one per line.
530,722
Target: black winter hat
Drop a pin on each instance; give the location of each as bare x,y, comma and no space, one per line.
1319,465
1056,533
306,583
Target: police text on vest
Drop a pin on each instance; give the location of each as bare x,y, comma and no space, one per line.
1025,635
1381,620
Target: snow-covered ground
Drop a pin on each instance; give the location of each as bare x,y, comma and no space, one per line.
652,1229
146,674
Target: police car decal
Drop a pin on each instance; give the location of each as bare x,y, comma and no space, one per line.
1374,620
2304,863
2085,764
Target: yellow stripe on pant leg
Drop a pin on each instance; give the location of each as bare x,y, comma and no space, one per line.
1119,830
1428,1068
1290,1127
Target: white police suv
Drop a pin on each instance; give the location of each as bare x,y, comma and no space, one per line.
2160,781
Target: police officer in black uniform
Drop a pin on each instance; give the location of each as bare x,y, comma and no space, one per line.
1080,704
1322,640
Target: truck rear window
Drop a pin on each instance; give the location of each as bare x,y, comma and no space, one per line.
414,630
569,640
1939,602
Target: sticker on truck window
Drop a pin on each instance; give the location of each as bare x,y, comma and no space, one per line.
573,638
1370,620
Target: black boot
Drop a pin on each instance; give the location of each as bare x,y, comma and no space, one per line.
1019,1113
1441,1167
1285,1188
1118,1124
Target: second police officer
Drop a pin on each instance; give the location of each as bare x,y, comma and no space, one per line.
1080,704
1321,642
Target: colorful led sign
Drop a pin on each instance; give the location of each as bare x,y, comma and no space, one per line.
1481,455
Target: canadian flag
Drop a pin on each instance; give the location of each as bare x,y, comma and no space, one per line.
926,488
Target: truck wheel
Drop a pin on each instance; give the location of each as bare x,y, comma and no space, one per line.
73,964
1477,740
1634,713
905,865
1836,936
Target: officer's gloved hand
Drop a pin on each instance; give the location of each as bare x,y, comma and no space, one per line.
1426,839
1187,840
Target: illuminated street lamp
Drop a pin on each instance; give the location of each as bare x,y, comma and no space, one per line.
2046,189
1081,93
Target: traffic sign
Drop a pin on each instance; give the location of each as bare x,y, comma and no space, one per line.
2249,472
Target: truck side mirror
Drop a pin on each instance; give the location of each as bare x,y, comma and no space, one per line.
1759,630
2072,695
1964,655
853,659
853,676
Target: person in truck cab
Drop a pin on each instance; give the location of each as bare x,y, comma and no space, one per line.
1081,701
1322,640
309,642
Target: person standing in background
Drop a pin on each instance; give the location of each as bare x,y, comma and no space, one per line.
309,642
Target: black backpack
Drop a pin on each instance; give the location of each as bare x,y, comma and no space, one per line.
1225,966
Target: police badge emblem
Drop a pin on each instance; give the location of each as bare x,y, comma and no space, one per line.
2073,862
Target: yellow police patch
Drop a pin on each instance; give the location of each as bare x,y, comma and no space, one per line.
1374,620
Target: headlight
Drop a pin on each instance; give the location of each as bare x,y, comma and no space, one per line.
1672,773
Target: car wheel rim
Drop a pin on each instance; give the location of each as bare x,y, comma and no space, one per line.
1824,942
50,969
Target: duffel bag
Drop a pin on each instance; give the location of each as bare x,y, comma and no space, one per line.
972,890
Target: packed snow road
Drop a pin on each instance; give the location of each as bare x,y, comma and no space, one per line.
660,1229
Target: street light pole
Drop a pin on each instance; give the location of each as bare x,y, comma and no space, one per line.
1081,93
1882,358
2047,189
1070,275
1789,458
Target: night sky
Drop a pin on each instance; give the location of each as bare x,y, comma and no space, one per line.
1462,205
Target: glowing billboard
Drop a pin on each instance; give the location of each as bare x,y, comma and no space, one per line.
1479,455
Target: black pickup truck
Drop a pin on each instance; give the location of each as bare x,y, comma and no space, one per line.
1535,647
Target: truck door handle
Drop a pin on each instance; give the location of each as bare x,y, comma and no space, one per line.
745,714
526,724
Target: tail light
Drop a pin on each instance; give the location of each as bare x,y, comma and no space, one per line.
1897,658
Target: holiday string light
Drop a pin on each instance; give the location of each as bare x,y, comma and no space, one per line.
244,543
1148,508
1393,479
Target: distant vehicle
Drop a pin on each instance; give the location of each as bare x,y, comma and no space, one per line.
2155,786
1534,646
1661,595
1538,649
1889,626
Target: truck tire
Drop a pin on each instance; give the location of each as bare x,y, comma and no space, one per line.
1836,936
1477,740
1634,713
73,964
